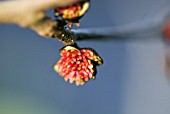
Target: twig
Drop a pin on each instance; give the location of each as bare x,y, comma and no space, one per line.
132,31
149,27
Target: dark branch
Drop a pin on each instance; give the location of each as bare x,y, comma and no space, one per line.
150,27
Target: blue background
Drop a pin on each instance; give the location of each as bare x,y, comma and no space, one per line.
131,81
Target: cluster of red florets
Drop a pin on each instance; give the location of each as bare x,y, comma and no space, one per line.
69,12
77,65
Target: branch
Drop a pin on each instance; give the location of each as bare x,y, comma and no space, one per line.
132,31
152,26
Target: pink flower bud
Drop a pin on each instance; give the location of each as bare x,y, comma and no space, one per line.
77,65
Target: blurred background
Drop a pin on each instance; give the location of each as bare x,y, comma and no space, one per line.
131,81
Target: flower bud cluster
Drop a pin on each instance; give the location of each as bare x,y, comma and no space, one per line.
77,65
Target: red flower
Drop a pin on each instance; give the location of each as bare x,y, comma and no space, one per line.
77,65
